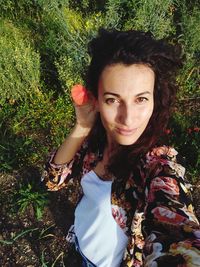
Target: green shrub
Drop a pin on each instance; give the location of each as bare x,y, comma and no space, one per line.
19,66
87,7
113,14
29,129
189,79
184,134
72,60
190,40
44,116
22,9
189,24
155,16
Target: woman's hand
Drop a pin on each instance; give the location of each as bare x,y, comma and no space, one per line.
85,117
86,113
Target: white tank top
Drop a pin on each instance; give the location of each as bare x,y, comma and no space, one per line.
100,238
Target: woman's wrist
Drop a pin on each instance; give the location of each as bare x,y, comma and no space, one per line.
71,145
80,131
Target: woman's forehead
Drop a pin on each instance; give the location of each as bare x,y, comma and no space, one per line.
118,78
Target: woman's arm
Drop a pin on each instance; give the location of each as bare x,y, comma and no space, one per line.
71,145
68,157
85,117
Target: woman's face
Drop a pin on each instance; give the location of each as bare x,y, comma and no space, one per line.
125,101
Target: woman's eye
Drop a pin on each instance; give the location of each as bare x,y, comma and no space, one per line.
111,101
141,100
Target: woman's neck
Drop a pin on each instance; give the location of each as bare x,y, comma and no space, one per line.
109,150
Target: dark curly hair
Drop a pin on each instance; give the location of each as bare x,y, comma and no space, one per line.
134,47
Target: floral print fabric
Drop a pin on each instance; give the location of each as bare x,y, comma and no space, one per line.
156,213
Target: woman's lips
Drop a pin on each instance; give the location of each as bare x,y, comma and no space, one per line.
125,131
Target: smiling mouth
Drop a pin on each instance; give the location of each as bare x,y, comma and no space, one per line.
126,132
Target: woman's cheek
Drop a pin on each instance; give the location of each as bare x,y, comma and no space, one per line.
145,112
108,118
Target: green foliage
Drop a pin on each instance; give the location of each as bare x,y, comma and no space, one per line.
189,79
27,197
190,40
155,16
79,5
87,6
28,129
185,136
17,147
24,8
20,64
113,14
71,63
44,114
189,24
15,151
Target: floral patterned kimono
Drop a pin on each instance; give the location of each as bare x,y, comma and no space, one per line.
153,207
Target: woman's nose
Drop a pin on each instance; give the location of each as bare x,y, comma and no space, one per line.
126,115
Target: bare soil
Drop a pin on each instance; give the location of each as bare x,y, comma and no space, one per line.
44,242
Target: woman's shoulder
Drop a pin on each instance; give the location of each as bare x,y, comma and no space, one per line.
161,152
165,160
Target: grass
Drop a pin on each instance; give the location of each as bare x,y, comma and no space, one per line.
27,197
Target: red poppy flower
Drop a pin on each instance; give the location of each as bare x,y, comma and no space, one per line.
79,94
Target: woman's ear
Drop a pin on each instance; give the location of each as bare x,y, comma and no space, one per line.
93,100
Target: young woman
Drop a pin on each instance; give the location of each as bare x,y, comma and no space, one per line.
132,204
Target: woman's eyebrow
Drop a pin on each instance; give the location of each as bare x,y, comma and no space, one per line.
144,93
109,93
117,95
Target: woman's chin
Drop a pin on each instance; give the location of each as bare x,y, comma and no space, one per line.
126,141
